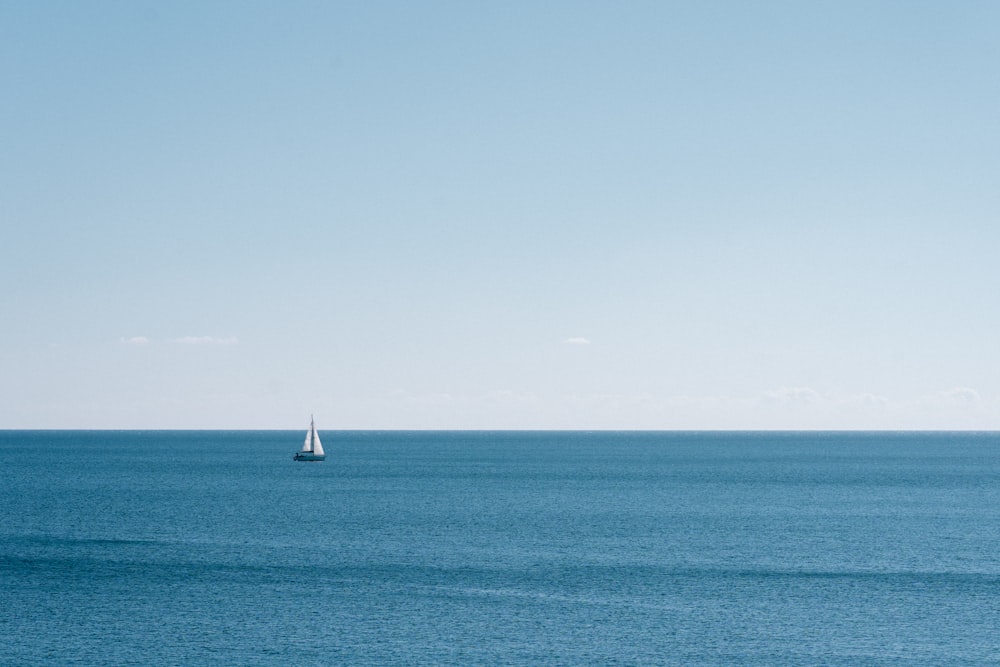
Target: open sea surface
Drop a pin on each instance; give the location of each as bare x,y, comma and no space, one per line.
519,548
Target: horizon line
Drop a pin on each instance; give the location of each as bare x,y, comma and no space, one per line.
522,430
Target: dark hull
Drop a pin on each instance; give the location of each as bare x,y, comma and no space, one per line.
309,456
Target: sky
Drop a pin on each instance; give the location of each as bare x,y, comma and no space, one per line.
500,215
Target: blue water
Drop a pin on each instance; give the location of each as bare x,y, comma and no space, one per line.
410,548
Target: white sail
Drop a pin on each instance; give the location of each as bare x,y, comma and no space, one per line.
317,447
310,434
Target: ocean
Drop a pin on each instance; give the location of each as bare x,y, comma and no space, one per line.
499,548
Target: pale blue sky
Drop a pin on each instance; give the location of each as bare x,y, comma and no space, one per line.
500,215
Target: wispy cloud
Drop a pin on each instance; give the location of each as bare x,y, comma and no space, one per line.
960,396
577,340
865,400
135,340
795,395
206,340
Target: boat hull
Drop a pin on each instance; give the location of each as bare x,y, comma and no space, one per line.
309,456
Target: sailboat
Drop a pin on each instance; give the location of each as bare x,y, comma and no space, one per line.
312,450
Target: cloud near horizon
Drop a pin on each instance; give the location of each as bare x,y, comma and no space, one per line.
577,340
135,340
960,396
793,395
784,408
